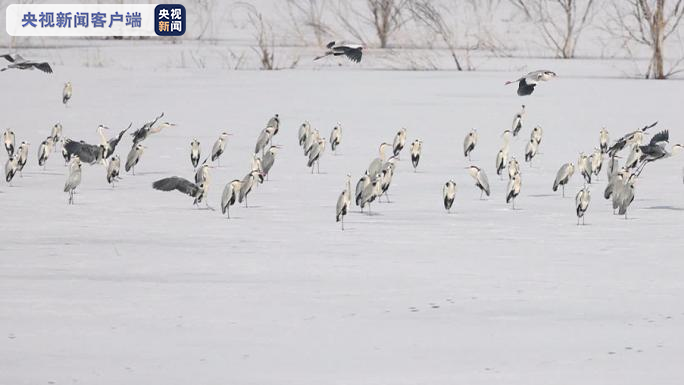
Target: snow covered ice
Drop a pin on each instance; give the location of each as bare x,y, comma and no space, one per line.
133,285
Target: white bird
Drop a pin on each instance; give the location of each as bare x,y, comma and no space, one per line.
603,140
195,152
275,123
582,200
353,52
531,150
513,167
527,83
66,92
513,189
11,168
134,156
480,178
315,156
469,143
518,121
336,137
44,151
584,167
219,147
22,157
246,185
113,168
416,149
375,166
448,194
343,203
73,178
230,195
9,140
304,132
399,141
502,155
563,176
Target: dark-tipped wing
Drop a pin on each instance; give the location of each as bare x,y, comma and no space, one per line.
176,183
649,126
329,45
354,54
660,138
8,57
113,142
525,88
89,153
45,67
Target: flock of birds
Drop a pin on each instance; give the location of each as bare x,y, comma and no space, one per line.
376,179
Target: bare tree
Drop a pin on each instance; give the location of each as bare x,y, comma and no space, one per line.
386,17
262,32
311,14
560,21
649,23
428,14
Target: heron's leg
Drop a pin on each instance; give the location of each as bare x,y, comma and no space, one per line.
563,190
318,166
342,222
228,211
312,168
480,194
582,220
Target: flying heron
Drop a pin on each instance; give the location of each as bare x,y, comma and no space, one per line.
527,83
353,52
18,62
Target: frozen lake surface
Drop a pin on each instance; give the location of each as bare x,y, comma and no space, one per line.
133,285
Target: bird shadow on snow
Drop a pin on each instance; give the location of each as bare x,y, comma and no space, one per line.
671,208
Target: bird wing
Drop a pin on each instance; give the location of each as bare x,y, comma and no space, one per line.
484,181
330,45
130,159
176,183
649,126
660,138
354,54
45,67
88,153
8,57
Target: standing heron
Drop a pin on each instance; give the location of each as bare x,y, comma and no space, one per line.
371,192
73,178
353,52
87,153
480,178
518,121
202,173
399,141
134,156
230,195
22,157
527,82
246,185
343,203
603,140
531,150
386,178
469,143
268,160
66,93
563,176
376,164
584,166
9,140
360,187
311,141
615,182
633,157
335,137
448,194
113,168
513,168
315,156
582,200
536,134
56,133
44,151
275,123
18,62
304,132
11,168
263,139
416,149
219,147
502,155
182,185
625,197
513,189
195,152
596,162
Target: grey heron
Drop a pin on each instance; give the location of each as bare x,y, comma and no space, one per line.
360,187
613,166
113,142
183,185
304,132
527,82
18,62
311,141
353,52
531,150
371,192
513,167
469,143
87,153
56,133
633,157
246,185
399,142
149,128
275,123
195,152
416,149
376,164
263,139
536,134
343,203
73,178
66,92
230,195
386,178
113,168
219,147
518,121
584,167
604,138
656,149
268,159
625,196
134,157
44,151
8,138
582,200
563,176
336,137
202,173
513,189
630,138
480,178
315,156
502,155
448,194
11,168
22,157
596,161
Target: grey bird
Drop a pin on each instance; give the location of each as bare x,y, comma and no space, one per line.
113,168
353,52
183,185
480,178
18,62
149,128
582,200
268,159
563,176
134,157
527,83
230,195
73,178
416,149
219,147
195,152
87,153
449,194
335,137
315,156
44,151
22,157
246,185
11,168
8,138
343,203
